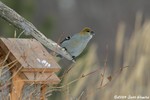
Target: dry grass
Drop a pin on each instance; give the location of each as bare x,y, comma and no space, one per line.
133,80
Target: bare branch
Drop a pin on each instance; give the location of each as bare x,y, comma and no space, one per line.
19,22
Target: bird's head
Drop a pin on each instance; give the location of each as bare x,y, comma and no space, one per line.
87,31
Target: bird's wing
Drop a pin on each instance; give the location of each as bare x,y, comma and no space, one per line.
67,38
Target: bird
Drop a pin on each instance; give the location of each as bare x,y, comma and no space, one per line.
76,43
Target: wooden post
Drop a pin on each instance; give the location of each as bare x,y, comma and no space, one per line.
17,85
43,91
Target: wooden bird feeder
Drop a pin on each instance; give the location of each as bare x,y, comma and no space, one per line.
32,64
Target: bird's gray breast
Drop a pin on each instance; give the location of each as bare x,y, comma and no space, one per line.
76,44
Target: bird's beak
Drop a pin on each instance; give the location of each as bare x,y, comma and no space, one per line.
92,33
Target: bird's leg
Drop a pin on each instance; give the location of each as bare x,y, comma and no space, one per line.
74,58
65,49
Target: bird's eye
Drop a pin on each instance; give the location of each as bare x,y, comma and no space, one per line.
88,31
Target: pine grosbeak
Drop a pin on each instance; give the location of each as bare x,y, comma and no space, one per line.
75,44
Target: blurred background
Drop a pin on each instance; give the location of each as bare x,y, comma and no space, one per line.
122,30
